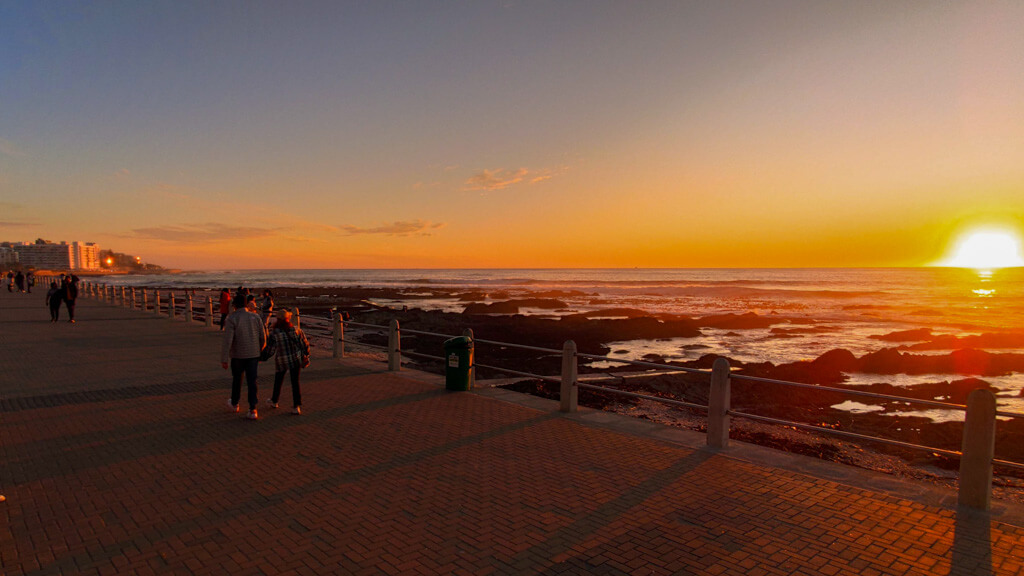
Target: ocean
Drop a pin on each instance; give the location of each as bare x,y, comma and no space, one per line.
847,308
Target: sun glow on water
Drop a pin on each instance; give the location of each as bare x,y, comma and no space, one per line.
986,250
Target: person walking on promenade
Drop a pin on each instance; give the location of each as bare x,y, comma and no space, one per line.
30,281
291,354
19,279
69,291
53,298
10,281
244,338
267,306
225,305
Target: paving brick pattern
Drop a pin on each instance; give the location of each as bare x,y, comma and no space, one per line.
134,466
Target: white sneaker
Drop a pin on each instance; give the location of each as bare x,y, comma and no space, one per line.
296,410
252,415
271,404
232,406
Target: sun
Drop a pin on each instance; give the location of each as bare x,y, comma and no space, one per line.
985,249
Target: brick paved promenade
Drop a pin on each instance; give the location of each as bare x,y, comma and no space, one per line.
119,457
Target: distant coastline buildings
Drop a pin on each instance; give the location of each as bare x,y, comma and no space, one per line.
44,255
80,256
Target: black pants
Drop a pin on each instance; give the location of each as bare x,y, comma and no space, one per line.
71,309
279,380
55,311
248,367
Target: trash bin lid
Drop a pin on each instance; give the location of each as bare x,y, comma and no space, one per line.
458,343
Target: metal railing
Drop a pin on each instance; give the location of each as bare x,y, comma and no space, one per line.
978,442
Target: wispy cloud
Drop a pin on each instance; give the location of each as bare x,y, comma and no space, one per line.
198,233
490,180
7,148
14,212
408,228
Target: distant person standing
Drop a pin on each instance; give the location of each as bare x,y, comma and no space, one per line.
53,299
245,335
10,281
69,292
30,281
291,350
267,306
225,305
19,279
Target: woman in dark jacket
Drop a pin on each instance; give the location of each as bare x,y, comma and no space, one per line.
53,299
291,354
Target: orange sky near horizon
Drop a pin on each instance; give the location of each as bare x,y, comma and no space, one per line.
513,135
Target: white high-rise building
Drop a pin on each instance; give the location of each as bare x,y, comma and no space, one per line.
63,256
85,256
44,256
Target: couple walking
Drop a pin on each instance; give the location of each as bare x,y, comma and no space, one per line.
66,292
246,342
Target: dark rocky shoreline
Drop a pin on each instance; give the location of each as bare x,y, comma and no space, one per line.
499,321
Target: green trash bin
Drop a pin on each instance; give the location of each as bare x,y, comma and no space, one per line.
458,373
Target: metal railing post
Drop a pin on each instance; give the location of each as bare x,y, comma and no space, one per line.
569,394
394,347
188,308
124,300
978,447
156,302
296,317
339,335
170,306
135,302
209,311
718,405
145,300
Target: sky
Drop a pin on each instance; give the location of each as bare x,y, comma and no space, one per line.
513,134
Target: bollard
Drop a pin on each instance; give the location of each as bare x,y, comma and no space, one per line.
339,335
394,347
170,306
295,316
468,332
209,311
124,300
569,395
156,302
188,308
145,300
134,301
718,405
978,447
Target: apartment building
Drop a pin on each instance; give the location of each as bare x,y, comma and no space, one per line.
63,256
